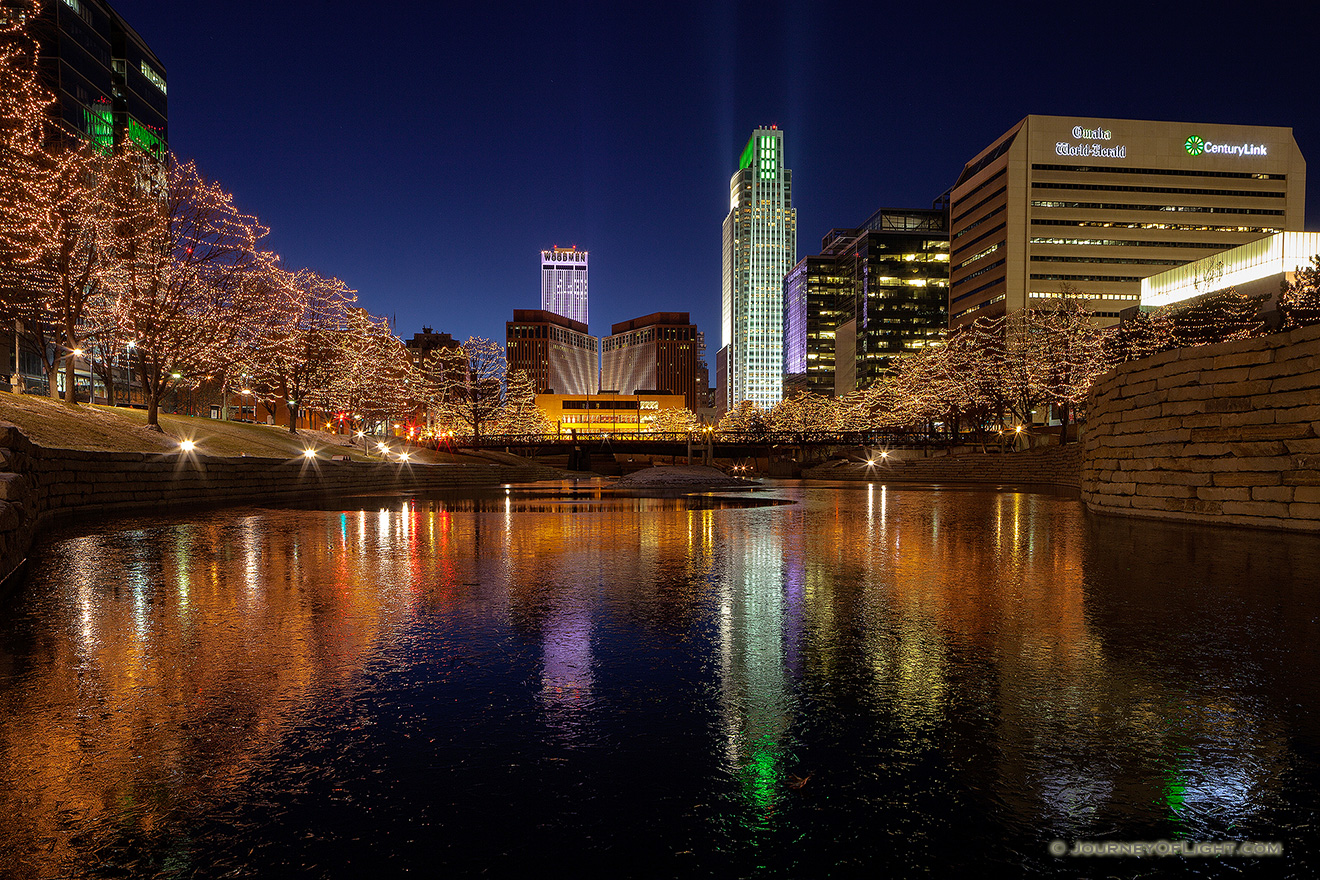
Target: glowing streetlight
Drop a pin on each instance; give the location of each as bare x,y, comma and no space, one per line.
309,453
187,446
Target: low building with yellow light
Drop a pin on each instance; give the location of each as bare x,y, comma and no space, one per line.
606,413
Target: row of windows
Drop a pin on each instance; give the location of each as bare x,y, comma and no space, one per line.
1181,227
600,404
1040,294
980,186
1119,279
1169,190
975,291
960,233
1191,209
1123,242
1047,259
985,253
982,271
976,308
972,209
1172,172
984,235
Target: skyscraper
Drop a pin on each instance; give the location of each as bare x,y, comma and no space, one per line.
760,247
564,283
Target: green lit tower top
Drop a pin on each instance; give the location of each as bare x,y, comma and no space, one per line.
760,247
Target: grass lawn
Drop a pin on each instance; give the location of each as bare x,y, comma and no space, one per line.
57,425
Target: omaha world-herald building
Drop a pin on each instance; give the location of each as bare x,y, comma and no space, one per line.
1063,203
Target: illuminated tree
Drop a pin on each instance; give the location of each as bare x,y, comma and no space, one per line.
297,358
745,418
675,421
1223,317
25,181
187,283
473,391
1299,300
804,412
1145,334
520,414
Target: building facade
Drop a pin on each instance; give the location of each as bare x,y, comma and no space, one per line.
815,291
874,293
760,248
658,353
109,87
1256,269
426,343
564,283
605,413
555,351
1062,204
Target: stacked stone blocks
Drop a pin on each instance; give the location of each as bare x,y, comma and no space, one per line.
1226,433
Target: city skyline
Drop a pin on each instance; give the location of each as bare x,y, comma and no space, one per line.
661,107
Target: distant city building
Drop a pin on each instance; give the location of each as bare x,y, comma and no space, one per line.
1062,203
760,247
564,283
874,293
656,353
428,342
1256,269
815,291
557,352
109,86
606,413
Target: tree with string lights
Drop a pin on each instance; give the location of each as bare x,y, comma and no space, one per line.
473,390
520,414
675,421
1299,299
295,361
187,283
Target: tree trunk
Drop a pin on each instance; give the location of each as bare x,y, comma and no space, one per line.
1064,413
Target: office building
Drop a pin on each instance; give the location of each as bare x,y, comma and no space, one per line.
564,283
760,247
874,293
427,343
815,291
557,352
1092,206
109,86
655,353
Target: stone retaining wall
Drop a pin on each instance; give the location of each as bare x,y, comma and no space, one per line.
1056,466
1226,433
37,484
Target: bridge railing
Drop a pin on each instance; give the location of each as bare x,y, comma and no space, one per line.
699,438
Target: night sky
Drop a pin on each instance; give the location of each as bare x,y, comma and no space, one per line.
425,152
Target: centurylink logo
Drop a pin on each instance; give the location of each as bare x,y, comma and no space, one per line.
1196,145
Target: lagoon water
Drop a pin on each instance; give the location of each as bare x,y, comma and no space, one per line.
806,681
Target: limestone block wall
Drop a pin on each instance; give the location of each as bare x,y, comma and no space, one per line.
1050,465
1226,433
37,484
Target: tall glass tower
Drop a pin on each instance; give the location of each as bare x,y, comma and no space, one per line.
760,248
564,283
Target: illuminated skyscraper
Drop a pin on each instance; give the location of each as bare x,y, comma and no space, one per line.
564,283
760,247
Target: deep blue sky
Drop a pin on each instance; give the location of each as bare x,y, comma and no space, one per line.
425,152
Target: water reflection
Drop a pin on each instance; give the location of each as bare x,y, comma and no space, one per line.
702,684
